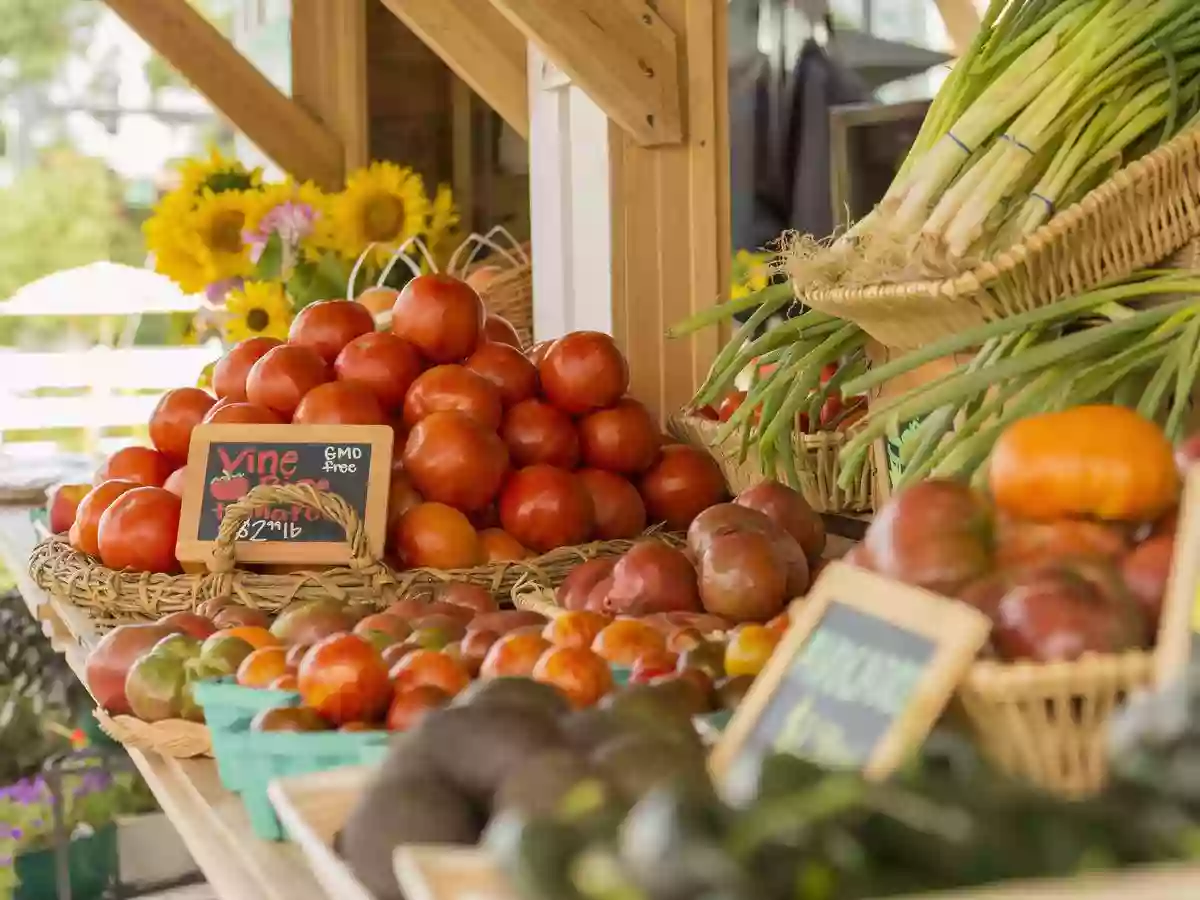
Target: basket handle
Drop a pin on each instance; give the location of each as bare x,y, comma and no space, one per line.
329,505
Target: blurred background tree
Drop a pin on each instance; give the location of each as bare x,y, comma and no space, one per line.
38,36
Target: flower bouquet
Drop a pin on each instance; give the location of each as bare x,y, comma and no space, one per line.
261,251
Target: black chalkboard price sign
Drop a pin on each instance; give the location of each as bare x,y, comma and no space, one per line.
226,461
860,678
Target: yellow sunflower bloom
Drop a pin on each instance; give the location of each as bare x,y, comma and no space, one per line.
214,233
442,234
167,242
385,204
217,174
257,309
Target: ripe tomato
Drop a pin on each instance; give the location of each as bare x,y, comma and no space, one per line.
436,536
731,404
576,671
536,432
544,508
378,300
329,325
84,532
340,403
620,512
514,376
500,546
229,374
140,464
441,316
344,679
514,655
138,531
683,483
224,413
452,459
171,423
830,410
584,371
453,387
433,668
411,705
499,330
402,496
622,439
262,667
383,363
283,376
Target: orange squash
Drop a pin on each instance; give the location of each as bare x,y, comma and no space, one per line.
1103,462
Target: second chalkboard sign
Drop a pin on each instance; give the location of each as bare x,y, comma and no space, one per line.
861,677
226,461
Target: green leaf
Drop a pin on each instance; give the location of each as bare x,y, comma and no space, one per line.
270,264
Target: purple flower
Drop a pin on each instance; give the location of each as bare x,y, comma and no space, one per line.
292,221
215,292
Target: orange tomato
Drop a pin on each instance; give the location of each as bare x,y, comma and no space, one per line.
432,668
749,649
500,546
84,532
139,529
513,655
574,628
141,464
410,705
253,635
262,667
437,536
171,423
623,641
344,679
579,673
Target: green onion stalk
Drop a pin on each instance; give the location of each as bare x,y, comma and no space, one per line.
1135,343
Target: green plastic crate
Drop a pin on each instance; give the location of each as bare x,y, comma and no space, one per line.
229,709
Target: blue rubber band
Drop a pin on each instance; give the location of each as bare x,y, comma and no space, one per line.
1013,140
967,150
1049,203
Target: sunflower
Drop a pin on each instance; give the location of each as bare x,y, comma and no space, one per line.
214,233
257,309
167,241
384,204
443,225
216,174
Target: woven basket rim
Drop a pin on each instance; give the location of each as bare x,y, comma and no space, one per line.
817,439
176,738
979,277
1017,680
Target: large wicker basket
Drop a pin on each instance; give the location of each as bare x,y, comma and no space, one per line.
816,454
1140,216
112,598
1049,723
508,294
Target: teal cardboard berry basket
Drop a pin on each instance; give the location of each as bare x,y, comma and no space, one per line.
229,709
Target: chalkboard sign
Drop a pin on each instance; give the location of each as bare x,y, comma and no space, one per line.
226,461
1179,624
858,681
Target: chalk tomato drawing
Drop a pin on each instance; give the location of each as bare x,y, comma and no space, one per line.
228,487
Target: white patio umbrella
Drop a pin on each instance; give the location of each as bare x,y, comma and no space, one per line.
100,289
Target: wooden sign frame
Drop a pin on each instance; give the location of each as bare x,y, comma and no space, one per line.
957,631
1180,619
190,549
445,872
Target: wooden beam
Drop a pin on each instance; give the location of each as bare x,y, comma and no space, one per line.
962,22
620,52
479,44
329,71
297,141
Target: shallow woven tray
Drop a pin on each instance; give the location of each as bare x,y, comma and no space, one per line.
1139,217
816,454
113,597
1049,723
175,738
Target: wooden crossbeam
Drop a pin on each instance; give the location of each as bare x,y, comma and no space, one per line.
620,52
479,45
288,134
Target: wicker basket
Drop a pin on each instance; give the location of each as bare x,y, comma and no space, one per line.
1049,723
175,738
816,454
1137,218
509,294
113,598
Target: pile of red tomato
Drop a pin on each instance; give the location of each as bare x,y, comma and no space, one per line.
500,454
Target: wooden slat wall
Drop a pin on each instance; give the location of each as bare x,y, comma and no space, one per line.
671,240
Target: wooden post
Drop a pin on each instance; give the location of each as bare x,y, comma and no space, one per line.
299,142
329,70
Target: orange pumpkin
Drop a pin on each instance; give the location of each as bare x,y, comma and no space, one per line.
1103,462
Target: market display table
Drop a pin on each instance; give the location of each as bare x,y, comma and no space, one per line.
211,820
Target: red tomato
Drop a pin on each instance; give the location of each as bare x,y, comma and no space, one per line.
241,414
828,371
514,376
382,362
283,376
620,512
453,387
171,423
138,531
536,432
584,371
344,679
140,464
412,704
499,330
544,508
452,459
830,410
329,325
731,404
436,536
229,374
441,316
84,532
683,483
340,403
622,439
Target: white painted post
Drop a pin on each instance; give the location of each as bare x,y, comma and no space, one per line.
570,205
